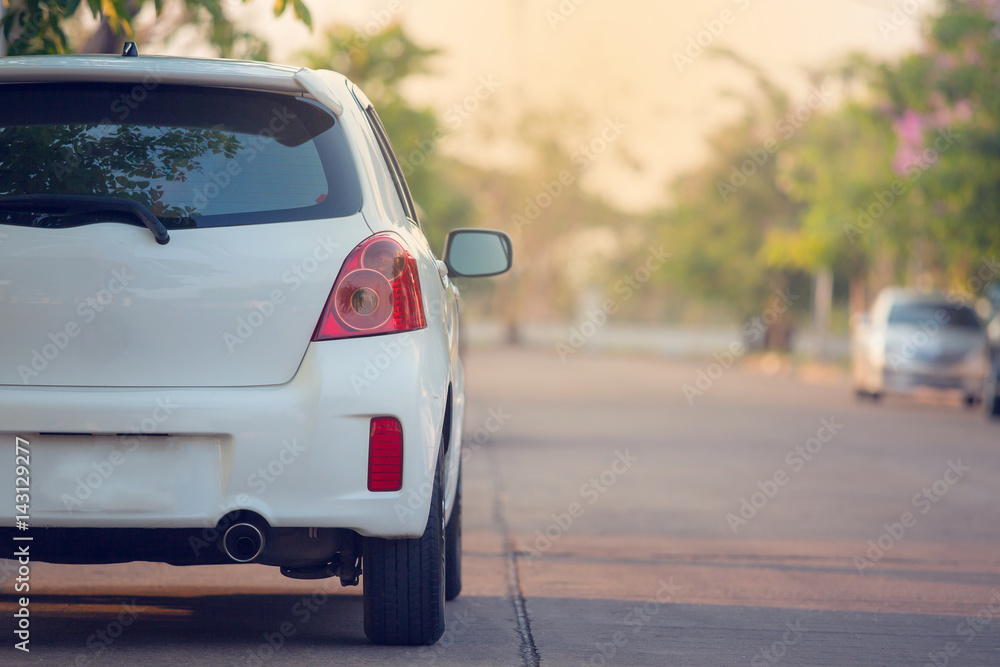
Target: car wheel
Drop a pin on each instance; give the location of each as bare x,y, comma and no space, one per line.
404,581
453,546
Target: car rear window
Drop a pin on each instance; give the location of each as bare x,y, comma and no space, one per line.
196,157
922,313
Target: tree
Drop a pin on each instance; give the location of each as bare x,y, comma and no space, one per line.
898,184
38,26
902,180
946,113
724,213
838,169
379,64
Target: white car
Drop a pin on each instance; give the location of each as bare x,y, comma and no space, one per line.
914,339
225,338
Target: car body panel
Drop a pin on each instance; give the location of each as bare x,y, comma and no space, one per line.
296,454
103,305
152,71
237,426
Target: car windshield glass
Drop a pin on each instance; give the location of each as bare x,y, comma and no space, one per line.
195,157
943,313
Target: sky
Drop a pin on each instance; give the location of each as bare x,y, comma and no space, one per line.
639,64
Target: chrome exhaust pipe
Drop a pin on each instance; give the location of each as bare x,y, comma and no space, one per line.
243,542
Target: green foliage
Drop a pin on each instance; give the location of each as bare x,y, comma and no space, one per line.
379,64
36,26
896,184
725,212
89,159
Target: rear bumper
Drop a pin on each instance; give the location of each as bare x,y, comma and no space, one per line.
296,454
967,378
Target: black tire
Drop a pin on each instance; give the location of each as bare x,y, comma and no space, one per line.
453,547
404,581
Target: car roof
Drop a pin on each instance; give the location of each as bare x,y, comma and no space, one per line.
914,295
146,70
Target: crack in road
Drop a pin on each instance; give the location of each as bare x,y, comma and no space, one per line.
529,652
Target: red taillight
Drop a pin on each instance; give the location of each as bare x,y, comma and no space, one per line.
385,455
377,291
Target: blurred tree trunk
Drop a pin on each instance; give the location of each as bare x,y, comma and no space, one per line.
103,40
106,39
857,298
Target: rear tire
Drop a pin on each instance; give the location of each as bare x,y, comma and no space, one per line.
404,581
453,546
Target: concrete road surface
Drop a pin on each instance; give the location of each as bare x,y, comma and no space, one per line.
613,518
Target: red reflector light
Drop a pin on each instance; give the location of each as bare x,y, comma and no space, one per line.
377,291
385,455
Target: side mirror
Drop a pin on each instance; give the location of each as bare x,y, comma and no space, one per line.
477,253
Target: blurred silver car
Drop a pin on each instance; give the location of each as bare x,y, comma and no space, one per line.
991,392
914,339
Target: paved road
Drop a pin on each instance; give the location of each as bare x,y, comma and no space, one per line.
606,524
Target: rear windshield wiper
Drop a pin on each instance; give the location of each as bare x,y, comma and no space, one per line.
82,203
